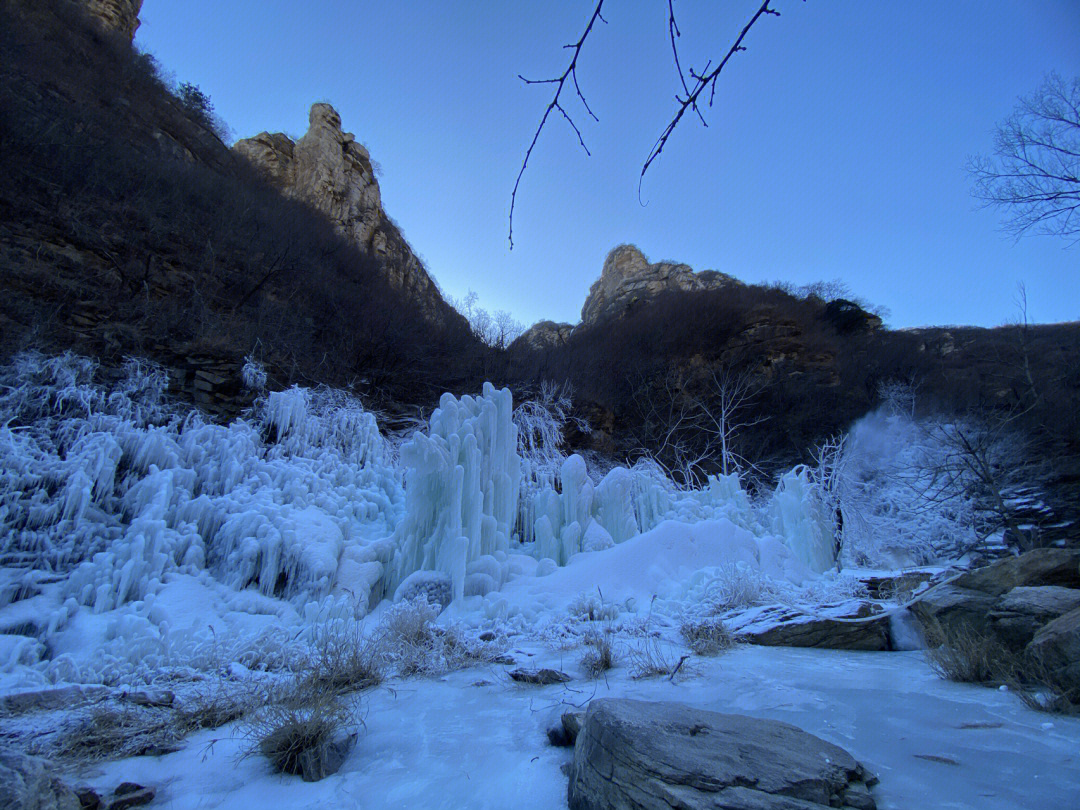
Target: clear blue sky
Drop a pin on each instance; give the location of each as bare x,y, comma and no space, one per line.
836,148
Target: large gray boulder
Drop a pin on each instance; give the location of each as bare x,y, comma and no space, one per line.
1041,566
1019,614
636,755
27,783
1057,647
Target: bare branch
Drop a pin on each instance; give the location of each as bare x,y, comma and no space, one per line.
701,80
559,82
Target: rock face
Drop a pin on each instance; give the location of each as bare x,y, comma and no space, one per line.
628,278
333,173
1012,599
646,756
117,15
545,334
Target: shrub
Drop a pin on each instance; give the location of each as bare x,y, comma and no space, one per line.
344,659
415,645
600,655
708,637
290,728
650,657
959,652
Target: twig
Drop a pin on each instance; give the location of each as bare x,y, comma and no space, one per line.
559,82
706,78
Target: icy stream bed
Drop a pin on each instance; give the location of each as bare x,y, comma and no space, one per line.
450,743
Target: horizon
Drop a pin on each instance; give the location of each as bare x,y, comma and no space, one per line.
871,190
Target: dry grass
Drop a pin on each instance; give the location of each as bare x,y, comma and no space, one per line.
708,637
344,659
112,732
412,644
600,655
651,657
959,652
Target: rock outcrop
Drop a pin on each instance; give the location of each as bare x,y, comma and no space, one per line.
1012,600
545,335
655,756
121,16
333,173
627,279
855,625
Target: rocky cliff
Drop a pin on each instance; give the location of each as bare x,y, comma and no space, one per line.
329,170
121,16
627,279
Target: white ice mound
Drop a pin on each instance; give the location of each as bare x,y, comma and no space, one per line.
662,563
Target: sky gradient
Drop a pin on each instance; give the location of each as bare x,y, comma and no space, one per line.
836,147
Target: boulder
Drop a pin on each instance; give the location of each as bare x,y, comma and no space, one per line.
851,626
1019,614
947,604
27,783
1057,647
657,756
130,794
1041,566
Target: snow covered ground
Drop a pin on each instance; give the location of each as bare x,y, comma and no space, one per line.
474,739
142,545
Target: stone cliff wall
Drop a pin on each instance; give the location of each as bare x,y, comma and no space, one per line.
117,15
329,170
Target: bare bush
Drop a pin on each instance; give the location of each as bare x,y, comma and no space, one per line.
959,652
297,723
414,645
652,657
343,658
600,655
708,637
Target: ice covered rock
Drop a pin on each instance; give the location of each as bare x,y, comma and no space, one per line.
852,626
655,756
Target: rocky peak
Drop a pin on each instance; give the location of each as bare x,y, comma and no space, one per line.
627,278
121,16
330,171
545,335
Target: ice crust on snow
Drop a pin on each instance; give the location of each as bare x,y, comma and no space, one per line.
152,538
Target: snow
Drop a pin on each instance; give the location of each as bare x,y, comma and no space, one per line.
141,544
472,739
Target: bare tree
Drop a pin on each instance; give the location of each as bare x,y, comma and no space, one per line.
691,427
694,84
1034,174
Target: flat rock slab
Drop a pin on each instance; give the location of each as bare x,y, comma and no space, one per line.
851,626
639,755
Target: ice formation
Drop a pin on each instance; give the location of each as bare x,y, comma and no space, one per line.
138,534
